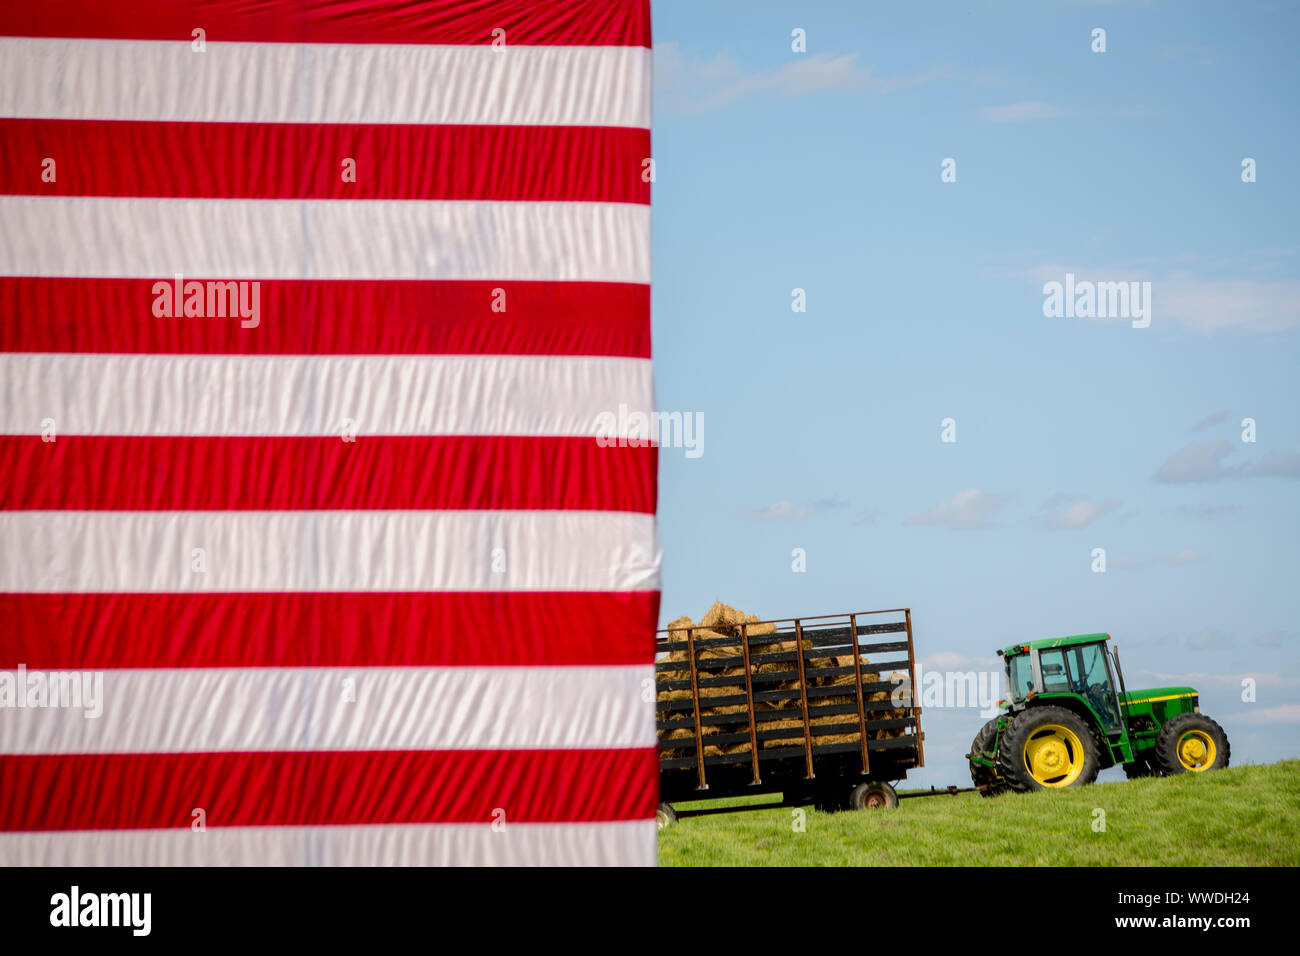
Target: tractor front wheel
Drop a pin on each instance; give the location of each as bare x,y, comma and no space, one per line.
1048,748
1191,743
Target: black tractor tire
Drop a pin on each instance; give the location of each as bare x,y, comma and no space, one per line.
873,795
1029,723
1140,767
1172,733
665,816
980,775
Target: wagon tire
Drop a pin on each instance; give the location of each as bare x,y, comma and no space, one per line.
665,816
873,795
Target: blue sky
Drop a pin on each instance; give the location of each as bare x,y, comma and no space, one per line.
778,170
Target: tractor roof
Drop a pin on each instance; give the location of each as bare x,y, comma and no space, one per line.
1055,642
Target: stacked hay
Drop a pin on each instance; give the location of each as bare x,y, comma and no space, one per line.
793,725
664,696
720,622
850,697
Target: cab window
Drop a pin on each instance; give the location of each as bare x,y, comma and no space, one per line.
1020,676
1056,679
1091,678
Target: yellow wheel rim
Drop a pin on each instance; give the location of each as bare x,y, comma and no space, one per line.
1196,750
1054,755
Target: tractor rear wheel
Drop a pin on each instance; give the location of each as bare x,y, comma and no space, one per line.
1191,743
1048,748
980,775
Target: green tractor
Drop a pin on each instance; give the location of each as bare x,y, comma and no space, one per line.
1070,717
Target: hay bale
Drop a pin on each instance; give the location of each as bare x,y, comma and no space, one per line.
780,667
793,739
721,623
724,617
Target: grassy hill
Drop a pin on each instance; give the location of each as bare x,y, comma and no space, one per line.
1242,816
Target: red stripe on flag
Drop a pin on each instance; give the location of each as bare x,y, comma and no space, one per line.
427,473
357,629
333,317
331,788
304,161
451,22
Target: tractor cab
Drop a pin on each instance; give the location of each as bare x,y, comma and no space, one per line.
1080,666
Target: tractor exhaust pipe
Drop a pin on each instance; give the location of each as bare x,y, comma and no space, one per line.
1119,672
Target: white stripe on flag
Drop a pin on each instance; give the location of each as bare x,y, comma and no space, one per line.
206,710
293,395
116,237
324,83
517,844
248,551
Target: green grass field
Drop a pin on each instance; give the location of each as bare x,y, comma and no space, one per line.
1242,816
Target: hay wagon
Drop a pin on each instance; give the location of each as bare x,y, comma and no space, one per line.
815,709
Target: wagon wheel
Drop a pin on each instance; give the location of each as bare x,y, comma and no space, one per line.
665,816
873,795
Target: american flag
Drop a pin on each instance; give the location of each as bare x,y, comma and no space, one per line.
310,314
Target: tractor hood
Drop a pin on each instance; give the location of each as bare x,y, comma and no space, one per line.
1153,694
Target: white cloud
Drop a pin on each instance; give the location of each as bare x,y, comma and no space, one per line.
1078,515
687,84
785,510
1281,464
1022,112
1198,462
1204,462
782,509
968,509
1209,421
1283,714
1211,305
955,661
